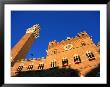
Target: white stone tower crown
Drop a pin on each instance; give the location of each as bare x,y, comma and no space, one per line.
35,29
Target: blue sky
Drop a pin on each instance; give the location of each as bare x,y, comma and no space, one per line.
55,25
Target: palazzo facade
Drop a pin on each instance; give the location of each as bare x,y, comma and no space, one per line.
78,53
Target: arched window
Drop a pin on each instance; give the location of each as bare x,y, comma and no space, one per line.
30,67
19,68
41,66
64,62
77,59
90,55
53,64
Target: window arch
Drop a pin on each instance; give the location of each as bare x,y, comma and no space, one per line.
77,59
90,55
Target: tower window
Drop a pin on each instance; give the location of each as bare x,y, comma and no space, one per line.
19,68
90,55
30,67
83,43
77,59
64,62
41,66
53,64
55,51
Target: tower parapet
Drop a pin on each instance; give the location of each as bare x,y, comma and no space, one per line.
34,29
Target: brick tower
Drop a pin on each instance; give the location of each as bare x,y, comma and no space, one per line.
20,50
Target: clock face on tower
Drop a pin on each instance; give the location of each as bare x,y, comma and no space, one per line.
68,47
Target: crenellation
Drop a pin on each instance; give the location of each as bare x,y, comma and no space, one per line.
83,34
98,45
52,44
39,59
80,35
68,38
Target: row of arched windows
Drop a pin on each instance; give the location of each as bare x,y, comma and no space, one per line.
30,67
76,58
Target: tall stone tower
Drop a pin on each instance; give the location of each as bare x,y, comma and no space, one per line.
20,50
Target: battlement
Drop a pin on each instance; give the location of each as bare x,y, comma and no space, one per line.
31,59
79,36
52,43
82,34
34,29
98,44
